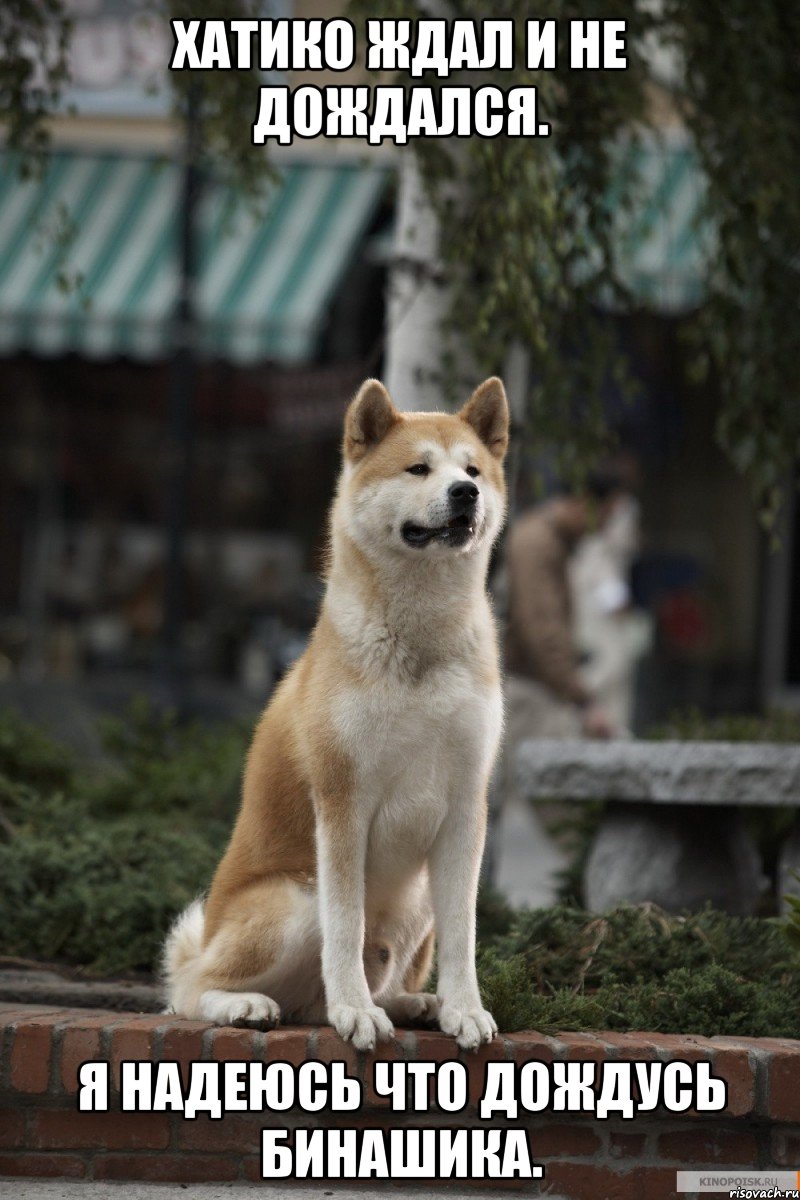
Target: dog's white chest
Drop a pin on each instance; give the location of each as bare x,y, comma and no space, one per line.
415,751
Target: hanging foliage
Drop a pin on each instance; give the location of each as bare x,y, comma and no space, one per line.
521,218
34,36
527,227
742,105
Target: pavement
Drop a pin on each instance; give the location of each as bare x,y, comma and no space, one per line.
58,1189
526,859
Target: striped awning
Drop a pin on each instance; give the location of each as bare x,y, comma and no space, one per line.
663,244
89,257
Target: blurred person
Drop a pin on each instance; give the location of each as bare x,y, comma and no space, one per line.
547,695
611,634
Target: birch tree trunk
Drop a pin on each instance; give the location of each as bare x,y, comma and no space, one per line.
418,298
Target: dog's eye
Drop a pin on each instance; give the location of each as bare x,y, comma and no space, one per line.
472,471
419,469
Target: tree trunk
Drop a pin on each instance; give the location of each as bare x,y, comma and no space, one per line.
418,299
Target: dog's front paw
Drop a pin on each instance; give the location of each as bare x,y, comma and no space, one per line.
469,1026
361,1026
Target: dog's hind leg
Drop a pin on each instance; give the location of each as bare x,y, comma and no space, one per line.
411,1004
251,1009
419,968
263,958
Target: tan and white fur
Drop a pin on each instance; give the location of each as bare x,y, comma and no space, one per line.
362,821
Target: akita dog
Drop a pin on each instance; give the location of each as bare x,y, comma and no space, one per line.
363,814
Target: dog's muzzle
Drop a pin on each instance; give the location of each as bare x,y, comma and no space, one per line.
462,498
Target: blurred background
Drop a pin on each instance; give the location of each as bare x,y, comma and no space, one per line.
176,359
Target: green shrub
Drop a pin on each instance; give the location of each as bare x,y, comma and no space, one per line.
30,756
160,765
710,1002
691,725
637,968
567,947
100,894
792,924
95,863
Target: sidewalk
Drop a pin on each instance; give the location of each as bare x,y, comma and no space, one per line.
527,858
59,1189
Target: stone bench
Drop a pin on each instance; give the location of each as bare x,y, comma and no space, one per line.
672,832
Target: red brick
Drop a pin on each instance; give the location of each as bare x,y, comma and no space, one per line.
709,1147
137,1020
735,1068
331,1048
12,1128
681,1045
784,1085
183,1043
529,1047
286,1045
581,1181
629,1047
770,1044
564,1141
166,1168
233,1045
31,1053
582,1047
785,1147
78,1045
132,1040
729,1061
239,1132
383,1052
51,1166
358,1119
251,1168
626,1145
16,1014
433,1046
11,1013
406,1040
657,1183
68,1130
91,1019
672,1046
476,1063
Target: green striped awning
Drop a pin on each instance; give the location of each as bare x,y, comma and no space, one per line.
662,244
88,257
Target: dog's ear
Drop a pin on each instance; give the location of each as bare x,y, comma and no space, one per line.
487,412
369,418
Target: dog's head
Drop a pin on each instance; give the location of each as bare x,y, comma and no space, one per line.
427,484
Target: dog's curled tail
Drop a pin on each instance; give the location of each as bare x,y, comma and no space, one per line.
182,950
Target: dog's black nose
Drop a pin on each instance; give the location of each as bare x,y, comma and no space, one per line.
462,494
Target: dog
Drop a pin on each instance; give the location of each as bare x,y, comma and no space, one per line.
363,812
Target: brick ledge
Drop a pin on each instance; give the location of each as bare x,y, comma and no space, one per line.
42,1133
